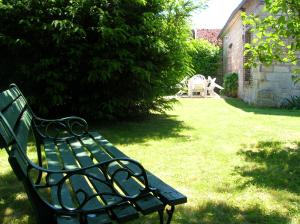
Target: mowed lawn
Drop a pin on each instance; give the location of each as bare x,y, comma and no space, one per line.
235,163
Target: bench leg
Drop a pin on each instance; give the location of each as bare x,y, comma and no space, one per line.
169,212
161,216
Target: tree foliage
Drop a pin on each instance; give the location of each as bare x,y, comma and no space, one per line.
95,57
205,57
277,33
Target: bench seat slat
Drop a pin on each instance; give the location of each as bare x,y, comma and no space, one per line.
54,164
147,204
123,213
168,194
79,182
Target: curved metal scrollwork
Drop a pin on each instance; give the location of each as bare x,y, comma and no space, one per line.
113,174
61,129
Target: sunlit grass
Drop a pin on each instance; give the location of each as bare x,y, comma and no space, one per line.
235,163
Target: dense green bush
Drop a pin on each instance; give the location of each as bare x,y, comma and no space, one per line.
94,57
231,82
205,57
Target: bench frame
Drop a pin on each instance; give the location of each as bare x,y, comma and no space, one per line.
61,130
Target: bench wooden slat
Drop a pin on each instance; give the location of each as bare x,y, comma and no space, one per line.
147,204
54,164
14,111
79,182
23,129
5,136
67,220
8,97
122,213
22,134
167,194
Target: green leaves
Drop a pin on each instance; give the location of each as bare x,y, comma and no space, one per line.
205,57
97,58
230,84
276,34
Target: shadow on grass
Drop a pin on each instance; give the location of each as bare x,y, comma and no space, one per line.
155,127
220,213
14,204
14,207
273,164
261,110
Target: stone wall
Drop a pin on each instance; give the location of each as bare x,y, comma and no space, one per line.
269,86
274,85
233,49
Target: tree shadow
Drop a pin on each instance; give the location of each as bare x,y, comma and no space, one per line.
155,127
14,207
272,164
238,103
14,204
220,213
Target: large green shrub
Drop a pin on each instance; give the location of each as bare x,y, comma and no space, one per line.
231,83
94,57
205,57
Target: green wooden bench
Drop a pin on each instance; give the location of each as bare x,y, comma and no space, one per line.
77,176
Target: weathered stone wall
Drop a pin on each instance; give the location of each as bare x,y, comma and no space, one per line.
274,85
234,56
233,49
269,86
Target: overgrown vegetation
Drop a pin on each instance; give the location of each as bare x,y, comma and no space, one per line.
292,103
230,84
91,57
277,34
205,57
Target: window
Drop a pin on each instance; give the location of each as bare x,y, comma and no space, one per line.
229,58
247,71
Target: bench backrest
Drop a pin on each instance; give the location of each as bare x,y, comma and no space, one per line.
15,120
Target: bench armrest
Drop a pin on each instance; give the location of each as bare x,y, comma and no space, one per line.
61,129
58,181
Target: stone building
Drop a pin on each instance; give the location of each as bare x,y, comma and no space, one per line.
261,86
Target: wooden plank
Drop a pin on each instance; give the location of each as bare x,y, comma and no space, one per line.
22,133
166,193
6,137
147,204
80,183
23,128
54,164
7,97
14,112
122,213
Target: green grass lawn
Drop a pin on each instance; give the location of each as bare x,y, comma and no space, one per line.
235,163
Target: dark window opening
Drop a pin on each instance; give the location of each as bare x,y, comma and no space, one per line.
247,70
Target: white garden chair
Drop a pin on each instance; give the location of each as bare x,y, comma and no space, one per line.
212,85
197,84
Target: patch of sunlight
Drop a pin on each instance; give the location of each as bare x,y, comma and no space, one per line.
8,212
21,196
